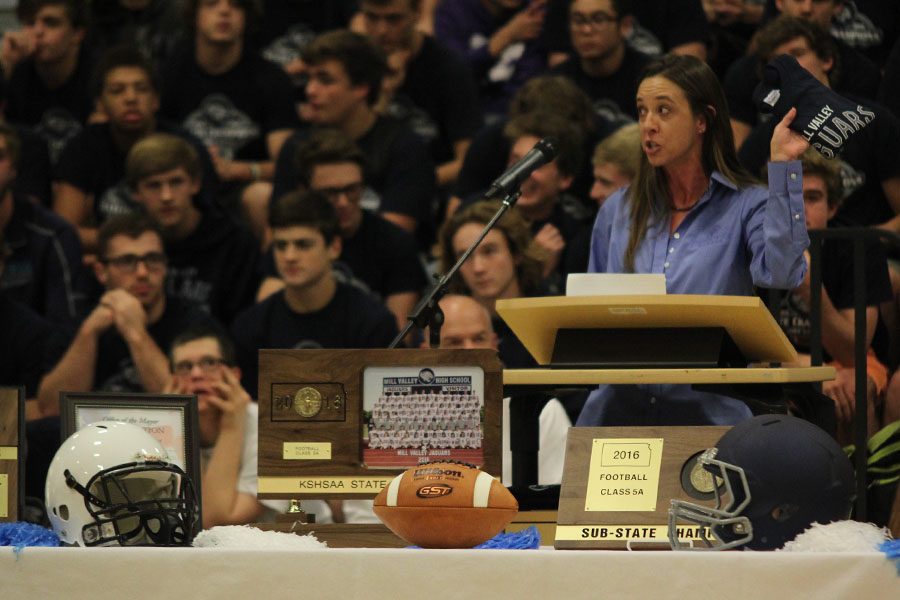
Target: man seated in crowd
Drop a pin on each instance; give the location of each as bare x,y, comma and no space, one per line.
870,158
488,155
604,66
49,70
119,345
313,310
30,346
155,27
501,42
435,82
212,259
29,343
345,74
676,26
821,200
554,216
90,176
614,164
376,255
43,265
203,363
238,103
507,264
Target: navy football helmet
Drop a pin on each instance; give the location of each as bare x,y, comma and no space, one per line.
774,476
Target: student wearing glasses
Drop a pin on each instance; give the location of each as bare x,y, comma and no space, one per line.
203,363
118,346
603,65
376,255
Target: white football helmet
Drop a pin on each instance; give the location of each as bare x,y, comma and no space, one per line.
111,484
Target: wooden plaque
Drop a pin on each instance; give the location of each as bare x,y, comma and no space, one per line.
12,459
343,423
618,482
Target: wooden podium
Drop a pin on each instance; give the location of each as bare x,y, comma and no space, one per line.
674,339
739,330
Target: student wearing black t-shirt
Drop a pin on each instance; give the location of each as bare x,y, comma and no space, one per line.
213,260
487,157
660,26
376,255
437,95
554,217
603,65
43,266
506,264
48,88
238,103
154,26
119,345
90,175
821,198
313,310
345,75
29,343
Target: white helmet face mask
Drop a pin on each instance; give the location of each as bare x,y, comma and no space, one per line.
110,484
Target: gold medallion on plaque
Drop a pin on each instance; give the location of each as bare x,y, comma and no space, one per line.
307,402
702,480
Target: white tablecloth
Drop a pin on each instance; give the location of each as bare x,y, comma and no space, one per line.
170,573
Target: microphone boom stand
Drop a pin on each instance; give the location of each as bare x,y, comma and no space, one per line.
427,312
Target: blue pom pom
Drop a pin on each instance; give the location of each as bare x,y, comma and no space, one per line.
22,535
527,539
892,549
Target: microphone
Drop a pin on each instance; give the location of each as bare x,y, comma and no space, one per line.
542,153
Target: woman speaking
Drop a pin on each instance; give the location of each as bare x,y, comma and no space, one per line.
695,215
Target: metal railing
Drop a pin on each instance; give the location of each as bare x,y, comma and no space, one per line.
859,237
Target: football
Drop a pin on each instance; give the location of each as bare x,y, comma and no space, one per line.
445,505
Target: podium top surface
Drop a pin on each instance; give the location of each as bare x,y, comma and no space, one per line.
653,376
535,321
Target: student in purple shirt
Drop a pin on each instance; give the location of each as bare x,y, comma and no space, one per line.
694,214
501,42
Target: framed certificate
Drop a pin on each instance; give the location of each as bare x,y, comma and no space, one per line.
170,419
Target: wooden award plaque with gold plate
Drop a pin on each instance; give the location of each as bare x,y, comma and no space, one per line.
342,423
12,472
618,483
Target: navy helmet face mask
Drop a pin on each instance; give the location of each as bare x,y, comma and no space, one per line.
138,504
775,475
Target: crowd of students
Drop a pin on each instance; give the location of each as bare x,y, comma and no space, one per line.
184,182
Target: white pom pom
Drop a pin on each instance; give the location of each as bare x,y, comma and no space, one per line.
841,536
243,536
